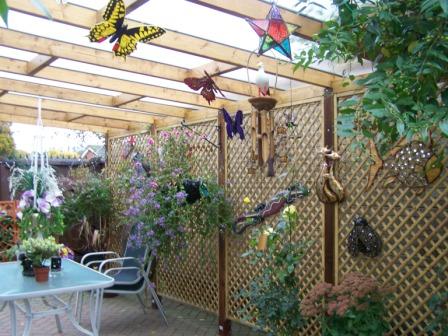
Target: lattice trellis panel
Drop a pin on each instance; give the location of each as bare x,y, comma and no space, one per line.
119,160
414,231
9,232
193,279
301,144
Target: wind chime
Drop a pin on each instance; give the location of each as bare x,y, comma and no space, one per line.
274,34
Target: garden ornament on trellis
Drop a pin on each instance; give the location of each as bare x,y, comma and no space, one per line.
272,207
413,164
328,188
207,86
363,239
274,33
125,38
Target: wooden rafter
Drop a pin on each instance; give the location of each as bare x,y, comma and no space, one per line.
38,63
132,5
46,46
283,99
73,107
26,115
86,97
256,9
125,98
213,69
86,18
109,83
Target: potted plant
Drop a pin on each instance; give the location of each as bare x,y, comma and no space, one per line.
354,307
38,251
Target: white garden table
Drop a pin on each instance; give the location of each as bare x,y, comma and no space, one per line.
73,279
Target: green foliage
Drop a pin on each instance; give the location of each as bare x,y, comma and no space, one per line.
33,223
212,211
39,250
7,146
407,41
275,293
89,200
439,306
4,11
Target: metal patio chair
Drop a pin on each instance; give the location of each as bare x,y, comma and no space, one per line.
131,275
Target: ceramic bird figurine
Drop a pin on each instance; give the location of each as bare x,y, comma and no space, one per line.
262,81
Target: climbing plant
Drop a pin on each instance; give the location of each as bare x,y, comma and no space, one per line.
407,42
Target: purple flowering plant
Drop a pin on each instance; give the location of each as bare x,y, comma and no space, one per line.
40,202
156,201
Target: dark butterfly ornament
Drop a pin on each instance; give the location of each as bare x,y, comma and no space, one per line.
125,39
207,86
363,239
234,126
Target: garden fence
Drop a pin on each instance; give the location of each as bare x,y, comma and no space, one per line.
413,227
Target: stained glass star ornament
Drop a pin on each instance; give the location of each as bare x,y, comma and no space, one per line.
274,32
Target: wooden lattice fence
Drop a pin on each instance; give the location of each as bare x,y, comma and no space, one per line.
414,231
9,232
413,227
300,145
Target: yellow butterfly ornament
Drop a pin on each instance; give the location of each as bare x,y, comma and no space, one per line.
113,26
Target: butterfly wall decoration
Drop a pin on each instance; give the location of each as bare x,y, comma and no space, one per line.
125,38
207,86
234,126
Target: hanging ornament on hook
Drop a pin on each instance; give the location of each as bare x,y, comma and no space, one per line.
273,32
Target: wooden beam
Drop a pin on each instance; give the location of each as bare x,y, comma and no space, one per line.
284,98
132,5
42,45
86,18
329,209
124,98
2,93
224,324
70,117
73,107
256,9
213,69
38,63
86,97
109,83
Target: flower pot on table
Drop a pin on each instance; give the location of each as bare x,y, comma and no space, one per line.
41,273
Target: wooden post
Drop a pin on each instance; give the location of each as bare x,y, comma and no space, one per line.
224,323
329,209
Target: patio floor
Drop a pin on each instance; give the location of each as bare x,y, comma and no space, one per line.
123,316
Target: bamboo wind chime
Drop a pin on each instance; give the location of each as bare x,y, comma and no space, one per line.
262,132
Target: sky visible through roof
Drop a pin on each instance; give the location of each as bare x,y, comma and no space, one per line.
176,15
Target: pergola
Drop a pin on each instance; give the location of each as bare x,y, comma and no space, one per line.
84,86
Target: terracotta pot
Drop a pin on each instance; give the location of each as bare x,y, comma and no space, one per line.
41,273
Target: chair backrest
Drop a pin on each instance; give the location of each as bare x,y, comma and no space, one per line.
139,252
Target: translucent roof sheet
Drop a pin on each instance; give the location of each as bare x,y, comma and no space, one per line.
168,102
17,54
321,10
71,34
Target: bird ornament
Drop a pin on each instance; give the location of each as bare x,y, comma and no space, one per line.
262,81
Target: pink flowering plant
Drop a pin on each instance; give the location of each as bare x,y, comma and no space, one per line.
354,307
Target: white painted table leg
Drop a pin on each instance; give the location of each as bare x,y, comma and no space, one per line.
29,317
12,315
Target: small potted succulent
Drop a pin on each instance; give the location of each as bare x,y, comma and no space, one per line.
38,251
